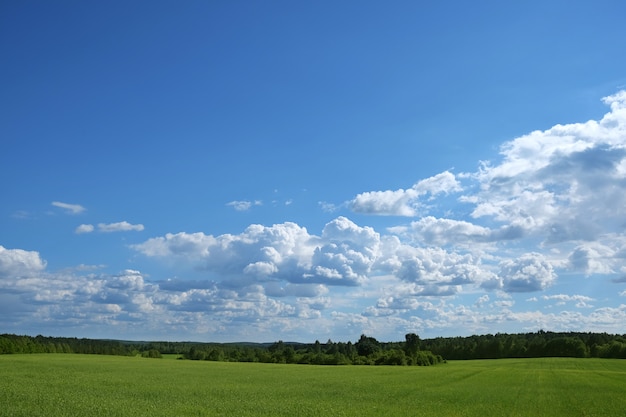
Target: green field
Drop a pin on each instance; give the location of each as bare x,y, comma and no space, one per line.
89,385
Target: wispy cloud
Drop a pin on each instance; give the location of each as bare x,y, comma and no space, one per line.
328,207
21,214
69,208
244,205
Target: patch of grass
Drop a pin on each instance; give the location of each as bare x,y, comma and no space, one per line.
81,385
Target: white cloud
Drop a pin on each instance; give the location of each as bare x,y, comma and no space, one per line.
110,227
84,228
552,205
391,203
69,208
443,183
566,183
177,308
278,289
244,205
560,190
482,300
582,301
189,245
328,207
529,272
442,231
119,227
405,202
19,263
434,266
592,258
343,254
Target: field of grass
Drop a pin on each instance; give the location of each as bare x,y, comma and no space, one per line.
81,385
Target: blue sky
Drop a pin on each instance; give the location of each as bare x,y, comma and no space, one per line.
229,171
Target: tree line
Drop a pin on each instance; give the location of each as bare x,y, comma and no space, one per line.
530,345
10,343
365,351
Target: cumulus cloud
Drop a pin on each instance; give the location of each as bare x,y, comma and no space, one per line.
564,183
405,202
69,208
562,189
19,263
592,258
433,231
189,245
529,272
138,307
132,304
119,227
347,254
109,227
551,205
582,301
435,266
84,228
343,254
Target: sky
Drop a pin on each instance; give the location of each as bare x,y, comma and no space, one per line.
226,171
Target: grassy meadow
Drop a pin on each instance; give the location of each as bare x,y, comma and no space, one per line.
90,385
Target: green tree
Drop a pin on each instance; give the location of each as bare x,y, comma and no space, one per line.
411,344
367,346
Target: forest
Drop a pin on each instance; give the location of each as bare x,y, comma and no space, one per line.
529,345
365,351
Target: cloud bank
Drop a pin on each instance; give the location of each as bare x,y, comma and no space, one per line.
550,208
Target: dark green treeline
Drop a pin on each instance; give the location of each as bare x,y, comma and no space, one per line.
365,351
529,345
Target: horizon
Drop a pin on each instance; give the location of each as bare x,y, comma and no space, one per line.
287,342
249,171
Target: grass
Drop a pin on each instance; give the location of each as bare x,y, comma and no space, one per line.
81,385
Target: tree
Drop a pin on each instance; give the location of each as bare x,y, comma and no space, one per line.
411,344
152,353
367,346
566,346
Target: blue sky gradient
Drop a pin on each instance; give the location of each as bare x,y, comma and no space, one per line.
228,171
